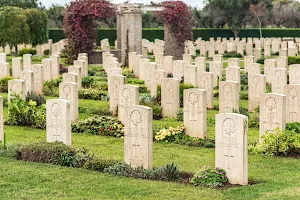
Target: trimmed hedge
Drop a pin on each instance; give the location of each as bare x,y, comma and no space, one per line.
152,33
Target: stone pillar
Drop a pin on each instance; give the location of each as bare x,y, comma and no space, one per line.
130,26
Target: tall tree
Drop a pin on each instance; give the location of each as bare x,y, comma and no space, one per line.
14,29
20,3
235,12
258,11
55,16
37,21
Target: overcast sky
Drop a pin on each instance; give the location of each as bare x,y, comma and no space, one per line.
194,3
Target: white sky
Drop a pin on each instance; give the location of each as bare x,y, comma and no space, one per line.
194,3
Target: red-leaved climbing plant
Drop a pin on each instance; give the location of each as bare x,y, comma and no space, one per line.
178,17
79,24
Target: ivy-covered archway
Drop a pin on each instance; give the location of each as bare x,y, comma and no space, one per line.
79,24
178,24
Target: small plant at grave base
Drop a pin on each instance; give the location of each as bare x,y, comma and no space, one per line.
39,99
293,126
170,135
94,94
169,172
51,87
242,111
53,153
135,81
232,55
169,119
170,75
99,165
146,99
100,125
177,136
128,73
278,143
143,89
4,83
261,60
210,177
24,113
93,71
253,121
172,171
179,115
88,82
62,69
47,52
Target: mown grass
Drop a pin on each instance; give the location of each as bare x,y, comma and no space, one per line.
274,177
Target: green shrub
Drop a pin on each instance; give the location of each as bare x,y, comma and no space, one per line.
146,99
27,51
278,143
172,171
51,87
294,126
88,82
293,60
143,89
101,73
135,81
244,95
261,60
157,111
210,177
178,136
99,125
39,99
53,153
169,172
242,111
179,115
47,52
94,94
253,121
4,83
99,165
101,111
232,55
94,71
22,113
244,79
128,73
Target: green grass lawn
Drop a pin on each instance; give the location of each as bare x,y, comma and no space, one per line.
273,177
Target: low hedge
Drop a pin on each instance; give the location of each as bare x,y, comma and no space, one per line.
205,33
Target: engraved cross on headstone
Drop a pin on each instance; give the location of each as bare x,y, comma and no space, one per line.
229,160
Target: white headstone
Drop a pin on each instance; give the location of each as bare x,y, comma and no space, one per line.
138,137
195,112
128,96
58,121
232,146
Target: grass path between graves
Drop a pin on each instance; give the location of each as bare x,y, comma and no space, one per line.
276,178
